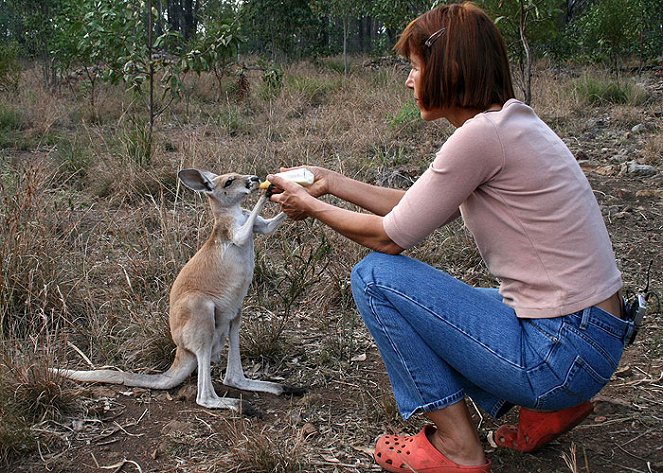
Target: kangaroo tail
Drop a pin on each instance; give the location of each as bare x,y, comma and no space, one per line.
183,365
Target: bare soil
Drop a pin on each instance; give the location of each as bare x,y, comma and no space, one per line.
348,404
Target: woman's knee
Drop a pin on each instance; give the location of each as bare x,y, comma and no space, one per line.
363,273
360,276
363,280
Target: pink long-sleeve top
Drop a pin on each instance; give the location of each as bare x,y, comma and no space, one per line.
528,205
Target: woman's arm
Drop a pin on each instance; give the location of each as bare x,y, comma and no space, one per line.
375,199
365,229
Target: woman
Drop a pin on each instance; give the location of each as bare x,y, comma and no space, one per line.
553,334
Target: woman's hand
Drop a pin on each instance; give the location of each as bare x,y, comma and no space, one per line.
322,180
291,196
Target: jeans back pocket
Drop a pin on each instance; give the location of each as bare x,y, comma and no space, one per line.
580,384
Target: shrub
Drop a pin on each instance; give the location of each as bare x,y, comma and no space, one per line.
73,157
407,117
272,83
596,91
10,67
10,118
313,89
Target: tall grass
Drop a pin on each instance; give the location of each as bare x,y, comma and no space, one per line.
592,90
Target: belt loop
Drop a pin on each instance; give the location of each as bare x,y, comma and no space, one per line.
630,330
584,322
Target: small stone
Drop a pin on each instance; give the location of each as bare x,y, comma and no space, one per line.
187,393
637,129
636,169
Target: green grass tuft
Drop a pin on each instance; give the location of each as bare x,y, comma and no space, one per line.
599,91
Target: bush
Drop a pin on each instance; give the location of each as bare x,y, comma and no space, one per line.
10,118
10,68
594,91
272,83
74,158
407,116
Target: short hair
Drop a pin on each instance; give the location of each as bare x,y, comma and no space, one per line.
464,57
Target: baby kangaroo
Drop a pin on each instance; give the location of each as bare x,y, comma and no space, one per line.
206,298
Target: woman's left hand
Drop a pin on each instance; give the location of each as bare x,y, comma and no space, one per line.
290,196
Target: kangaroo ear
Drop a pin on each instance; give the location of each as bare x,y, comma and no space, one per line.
197,180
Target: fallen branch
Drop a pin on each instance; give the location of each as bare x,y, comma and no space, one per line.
117,466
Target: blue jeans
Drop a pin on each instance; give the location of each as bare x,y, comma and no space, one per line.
441,339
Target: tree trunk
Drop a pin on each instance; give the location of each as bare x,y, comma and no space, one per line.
158,28
189,19
527,60
345,44
174,15
150,60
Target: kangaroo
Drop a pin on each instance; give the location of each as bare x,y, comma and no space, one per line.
207,296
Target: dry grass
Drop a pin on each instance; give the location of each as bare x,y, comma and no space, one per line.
653,152
91,238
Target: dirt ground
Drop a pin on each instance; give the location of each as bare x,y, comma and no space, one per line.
333,426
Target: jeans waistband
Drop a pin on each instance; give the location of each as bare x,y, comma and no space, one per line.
623,329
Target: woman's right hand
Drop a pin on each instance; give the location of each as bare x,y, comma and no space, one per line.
322,179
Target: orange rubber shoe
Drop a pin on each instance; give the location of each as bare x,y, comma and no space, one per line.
406,454
536,428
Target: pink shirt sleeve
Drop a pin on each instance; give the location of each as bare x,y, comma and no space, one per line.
466,160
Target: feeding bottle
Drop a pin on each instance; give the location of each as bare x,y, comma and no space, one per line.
301,176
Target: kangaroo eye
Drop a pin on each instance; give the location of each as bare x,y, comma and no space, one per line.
229,182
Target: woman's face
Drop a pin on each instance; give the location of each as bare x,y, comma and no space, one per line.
413,82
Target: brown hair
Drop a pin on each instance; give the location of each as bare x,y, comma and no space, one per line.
464,57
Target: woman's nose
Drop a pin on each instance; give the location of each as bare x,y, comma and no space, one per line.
409,82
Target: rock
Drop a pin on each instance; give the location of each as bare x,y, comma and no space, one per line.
639,128
187,393
643,170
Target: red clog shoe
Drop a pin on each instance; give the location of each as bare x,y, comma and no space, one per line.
408,454
536,428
